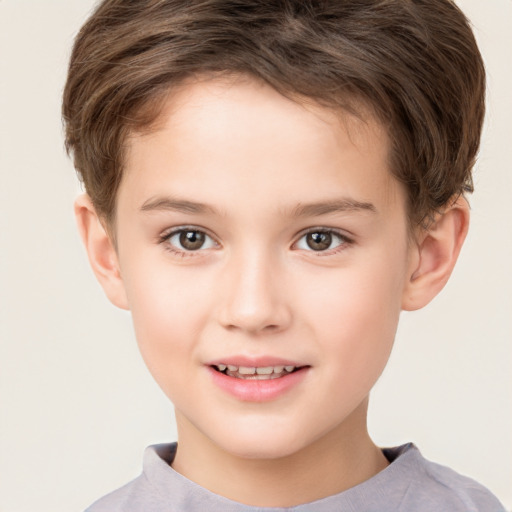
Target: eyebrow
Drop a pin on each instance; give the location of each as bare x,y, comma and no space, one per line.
301,210
335,206
176,205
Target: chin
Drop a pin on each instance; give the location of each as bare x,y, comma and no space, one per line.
262,450
264,444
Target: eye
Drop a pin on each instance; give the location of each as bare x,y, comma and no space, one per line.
187,240
321,240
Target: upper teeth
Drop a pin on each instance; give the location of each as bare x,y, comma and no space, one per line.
251,370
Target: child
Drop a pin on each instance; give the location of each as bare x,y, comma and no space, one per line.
269,184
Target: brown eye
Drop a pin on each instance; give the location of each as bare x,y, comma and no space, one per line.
319,241
189,240
322,240
192,240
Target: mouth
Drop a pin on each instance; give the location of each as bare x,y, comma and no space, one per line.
256,372
259,379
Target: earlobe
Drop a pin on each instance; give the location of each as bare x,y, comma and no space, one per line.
101,251
435,254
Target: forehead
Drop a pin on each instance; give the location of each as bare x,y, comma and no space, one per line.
230,138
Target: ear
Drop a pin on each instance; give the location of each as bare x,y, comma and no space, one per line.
435,254
101,251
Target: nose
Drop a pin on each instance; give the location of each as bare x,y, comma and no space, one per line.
254,295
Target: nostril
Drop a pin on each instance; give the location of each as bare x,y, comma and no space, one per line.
254,315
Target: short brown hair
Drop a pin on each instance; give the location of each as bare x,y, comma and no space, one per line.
415,63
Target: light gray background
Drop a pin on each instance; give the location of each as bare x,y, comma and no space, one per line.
77,404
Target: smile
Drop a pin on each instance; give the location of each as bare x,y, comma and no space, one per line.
255,373
256,380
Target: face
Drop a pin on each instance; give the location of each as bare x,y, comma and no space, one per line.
263,250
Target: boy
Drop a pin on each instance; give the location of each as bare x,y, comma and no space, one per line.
269,184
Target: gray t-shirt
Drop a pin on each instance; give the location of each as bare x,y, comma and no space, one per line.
410,483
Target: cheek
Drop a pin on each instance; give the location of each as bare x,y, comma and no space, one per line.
354,314
356,299
167,309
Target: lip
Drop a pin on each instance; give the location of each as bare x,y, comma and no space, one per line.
248,390
254,361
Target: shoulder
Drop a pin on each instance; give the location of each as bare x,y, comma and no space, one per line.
135,496
432,486
470,494
116,500
142,493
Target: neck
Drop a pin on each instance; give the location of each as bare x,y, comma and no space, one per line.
339,460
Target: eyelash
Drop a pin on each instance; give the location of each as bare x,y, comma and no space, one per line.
164,239
344,241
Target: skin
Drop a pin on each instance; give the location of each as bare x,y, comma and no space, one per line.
253,159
